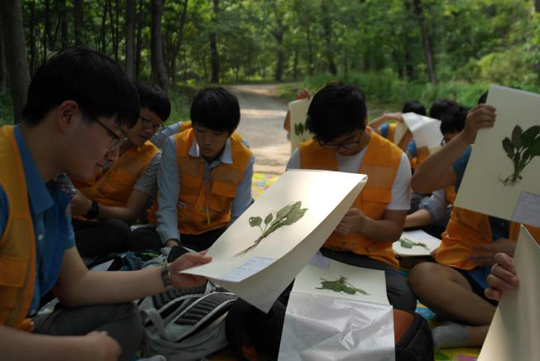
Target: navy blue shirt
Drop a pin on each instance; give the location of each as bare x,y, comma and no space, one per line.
52,223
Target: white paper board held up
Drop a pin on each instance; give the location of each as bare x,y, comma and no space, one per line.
415,244
258,267
426,131
502,178
340,280
513,334
299,132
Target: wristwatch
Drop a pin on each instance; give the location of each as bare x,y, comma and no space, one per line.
166,275
93,212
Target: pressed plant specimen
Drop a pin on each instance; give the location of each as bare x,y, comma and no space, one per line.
301,131
407,243
286,216
521,148
340,285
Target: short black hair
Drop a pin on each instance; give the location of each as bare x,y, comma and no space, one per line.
483,98
97,83
216,108
414,106
453,119
335,110
155,99
439,107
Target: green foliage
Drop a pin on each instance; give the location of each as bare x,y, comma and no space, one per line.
521,148
6,109
340,285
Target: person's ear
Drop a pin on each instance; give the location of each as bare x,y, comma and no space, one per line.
66,114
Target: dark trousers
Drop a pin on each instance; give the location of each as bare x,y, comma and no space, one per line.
99,239
121,321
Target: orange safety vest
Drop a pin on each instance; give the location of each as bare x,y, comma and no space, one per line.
380,163
467,229
114,187
207,206
185,126
17,246
391,132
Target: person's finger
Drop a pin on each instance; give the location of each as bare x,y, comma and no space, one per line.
503,274
506,262
492,294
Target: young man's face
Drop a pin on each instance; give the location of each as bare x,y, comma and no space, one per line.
149,123
211,142
347,144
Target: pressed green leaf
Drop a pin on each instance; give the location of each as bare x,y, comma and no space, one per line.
534,150
268,218
508,147
349,290
516,136
405,243
255,221
529,136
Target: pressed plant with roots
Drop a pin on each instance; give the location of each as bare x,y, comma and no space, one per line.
521,148
340,285
286,216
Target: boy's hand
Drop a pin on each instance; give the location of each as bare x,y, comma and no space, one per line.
502,277
188,260
172,243
481,116
304,94
100,347
351,222
80,205
484,255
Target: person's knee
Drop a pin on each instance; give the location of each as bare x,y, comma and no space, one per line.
424,278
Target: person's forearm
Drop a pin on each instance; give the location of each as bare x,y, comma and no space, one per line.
377,122
419,218
114,287
381,230
123,213
20,345
427,177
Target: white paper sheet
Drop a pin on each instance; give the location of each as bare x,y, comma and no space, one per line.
323,328
326,195
298,109
482,189
373,282
426,131
431,243
513,334
401,129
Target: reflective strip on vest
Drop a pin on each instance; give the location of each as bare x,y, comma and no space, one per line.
17,246
380,163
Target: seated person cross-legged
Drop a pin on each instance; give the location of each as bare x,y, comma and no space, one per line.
454,287
120,193
204,182
337,118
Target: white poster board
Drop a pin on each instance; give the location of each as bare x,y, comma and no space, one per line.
415,244
401,129
488,186
262,273
513,334
299,133
426,131
363,284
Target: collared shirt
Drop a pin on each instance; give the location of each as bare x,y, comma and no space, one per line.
169,186
52,224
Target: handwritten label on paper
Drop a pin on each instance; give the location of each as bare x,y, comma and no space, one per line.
248,269
528,209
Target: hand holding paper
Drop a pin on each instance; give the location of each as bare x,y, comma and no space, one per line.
484,255
481,116
352,222
502,277
188,260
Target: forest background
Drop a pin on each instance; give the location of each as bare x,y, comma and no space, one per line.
395,50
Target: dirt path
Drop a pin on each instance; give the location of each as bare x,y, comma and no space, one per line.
262,125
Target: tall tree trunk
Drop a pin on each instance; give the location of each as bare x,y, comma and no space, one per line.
278,76
214,55
62,10
47,33
327,27
179,40
138,46
32,32
130,37
113,19
17,62
159,71
78,15
311,65
426,41
103,31
3,65
295,64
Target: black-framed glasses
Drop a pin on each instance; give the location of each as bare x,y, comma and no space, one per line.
117,140
343,145
147,124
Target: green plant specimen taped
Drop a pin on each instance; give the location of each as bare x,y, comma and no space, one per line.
521,148
286,216
407,243
301,131
340,285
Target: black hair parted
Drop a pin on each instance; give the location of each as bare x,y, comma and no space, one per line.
155,99
93,80
414,106
335,110
453,120
439,107
216,108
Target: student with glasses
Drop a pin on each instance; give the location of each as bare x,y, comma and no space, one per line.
121,191
337,117
80,103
